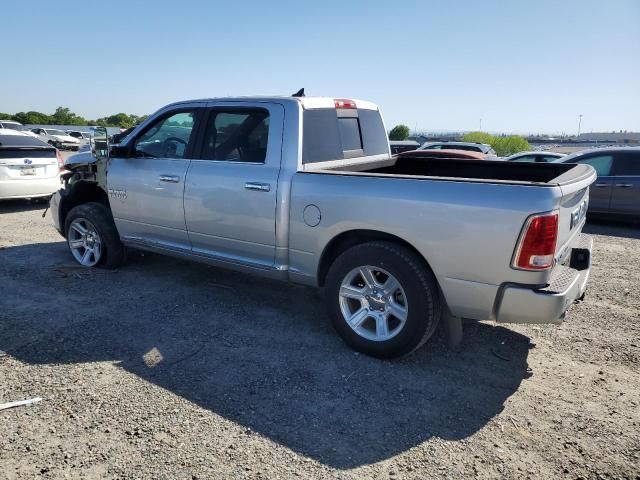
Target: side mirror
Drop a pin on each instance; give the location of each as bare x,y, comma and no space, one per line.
119,151
100,144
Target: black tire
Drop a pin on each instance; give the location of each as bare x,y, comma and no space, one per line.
113,251
420,289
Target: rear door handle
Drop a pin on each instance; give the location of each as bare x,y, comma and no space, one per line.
169,178
261,187
602,185
624,185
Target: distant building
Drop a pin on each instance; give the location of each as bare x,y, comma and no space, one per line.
627,138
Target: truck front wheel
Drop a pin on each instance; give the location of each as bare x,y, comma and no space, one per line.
92,236
382,298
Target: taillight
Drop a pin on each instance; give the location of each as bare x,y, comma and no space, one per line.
537,245
344,103
60,160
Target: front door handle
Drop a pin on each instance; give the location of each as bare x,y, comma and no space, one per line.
261,187
624,185
170,178
601,185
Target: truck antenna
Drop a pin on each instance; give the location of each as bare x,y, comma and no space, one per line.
299,93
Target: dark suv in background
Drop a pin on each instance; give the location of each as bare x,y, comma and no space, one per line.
616,193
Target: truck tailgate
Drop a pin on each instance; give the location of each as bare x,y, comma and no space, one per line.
574,202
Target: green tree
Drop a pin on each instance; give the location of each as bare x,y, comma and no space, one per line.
5,116
31,117
399,132
504,146
478,137
121,120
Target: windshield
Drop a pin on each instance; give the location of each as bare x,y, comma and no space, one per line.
56,132
12,126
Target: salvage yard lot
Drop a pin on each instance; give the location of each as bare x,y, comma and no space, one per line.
168,369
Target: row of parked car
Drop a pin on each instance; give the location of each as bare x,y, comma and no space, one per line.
62,139
615,194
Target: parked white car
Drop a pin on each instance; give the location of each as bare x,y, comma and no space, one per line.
29,168
82,136
17,126
57,138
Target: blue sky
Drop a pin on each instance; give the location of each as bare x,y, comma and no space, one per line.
521,66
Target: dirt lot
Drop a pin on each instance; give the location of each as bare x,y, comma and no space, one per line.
166,369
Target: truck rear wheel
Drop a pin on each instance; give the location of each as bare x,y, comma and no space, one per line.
92,236
382,298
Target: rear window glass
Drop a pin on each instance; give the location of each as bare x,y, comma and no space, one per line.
27,153
350,133
327,137
20,141
466,148
12,126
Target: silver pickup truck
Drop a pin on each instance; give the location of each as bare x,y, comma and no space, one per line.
305,189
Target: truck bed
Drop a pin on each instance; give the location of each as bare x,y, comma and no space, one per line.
487,170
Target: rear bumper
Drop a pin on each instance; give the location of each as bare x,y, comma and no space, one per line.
521,304
28,188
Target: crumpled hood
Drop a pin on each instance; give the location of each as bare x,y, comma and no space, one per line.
82,158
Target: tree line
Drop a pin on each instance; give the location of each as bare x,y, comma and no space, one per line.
64,116
504,145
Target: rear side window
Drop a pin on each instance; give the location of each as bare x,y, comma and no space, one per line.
627,163
466,148
236,135
601,163
327,136
527,158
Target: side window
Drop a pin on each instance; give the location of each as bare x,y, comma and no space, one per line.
627,163
168,137
526,158
238,135
602,164
548,158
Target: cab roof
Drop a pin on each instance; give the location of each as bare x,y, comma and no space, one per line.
307,103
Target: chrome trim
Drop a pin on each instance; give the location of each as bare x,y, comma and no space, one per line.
278,272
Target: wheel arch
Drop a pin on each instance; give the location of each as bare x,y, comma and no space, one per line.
79,193
351,238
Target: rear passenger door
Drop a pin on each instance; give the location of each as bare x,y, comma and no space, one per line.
625,197
230,193
600,192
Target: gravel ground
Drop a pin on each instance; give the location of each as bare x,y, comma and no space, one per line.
171,370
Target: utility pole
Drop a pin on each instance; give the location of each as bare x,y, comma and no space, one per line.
579,123
480,124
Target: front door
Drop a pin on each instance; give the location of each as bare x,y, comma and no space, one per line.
625,197
146,187
230,194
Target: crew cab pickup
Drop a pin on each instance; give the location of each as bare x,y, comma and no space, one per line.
305,189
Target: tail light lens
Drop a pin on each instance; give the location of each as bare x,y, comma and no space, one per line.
537,245
344,103
60,161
